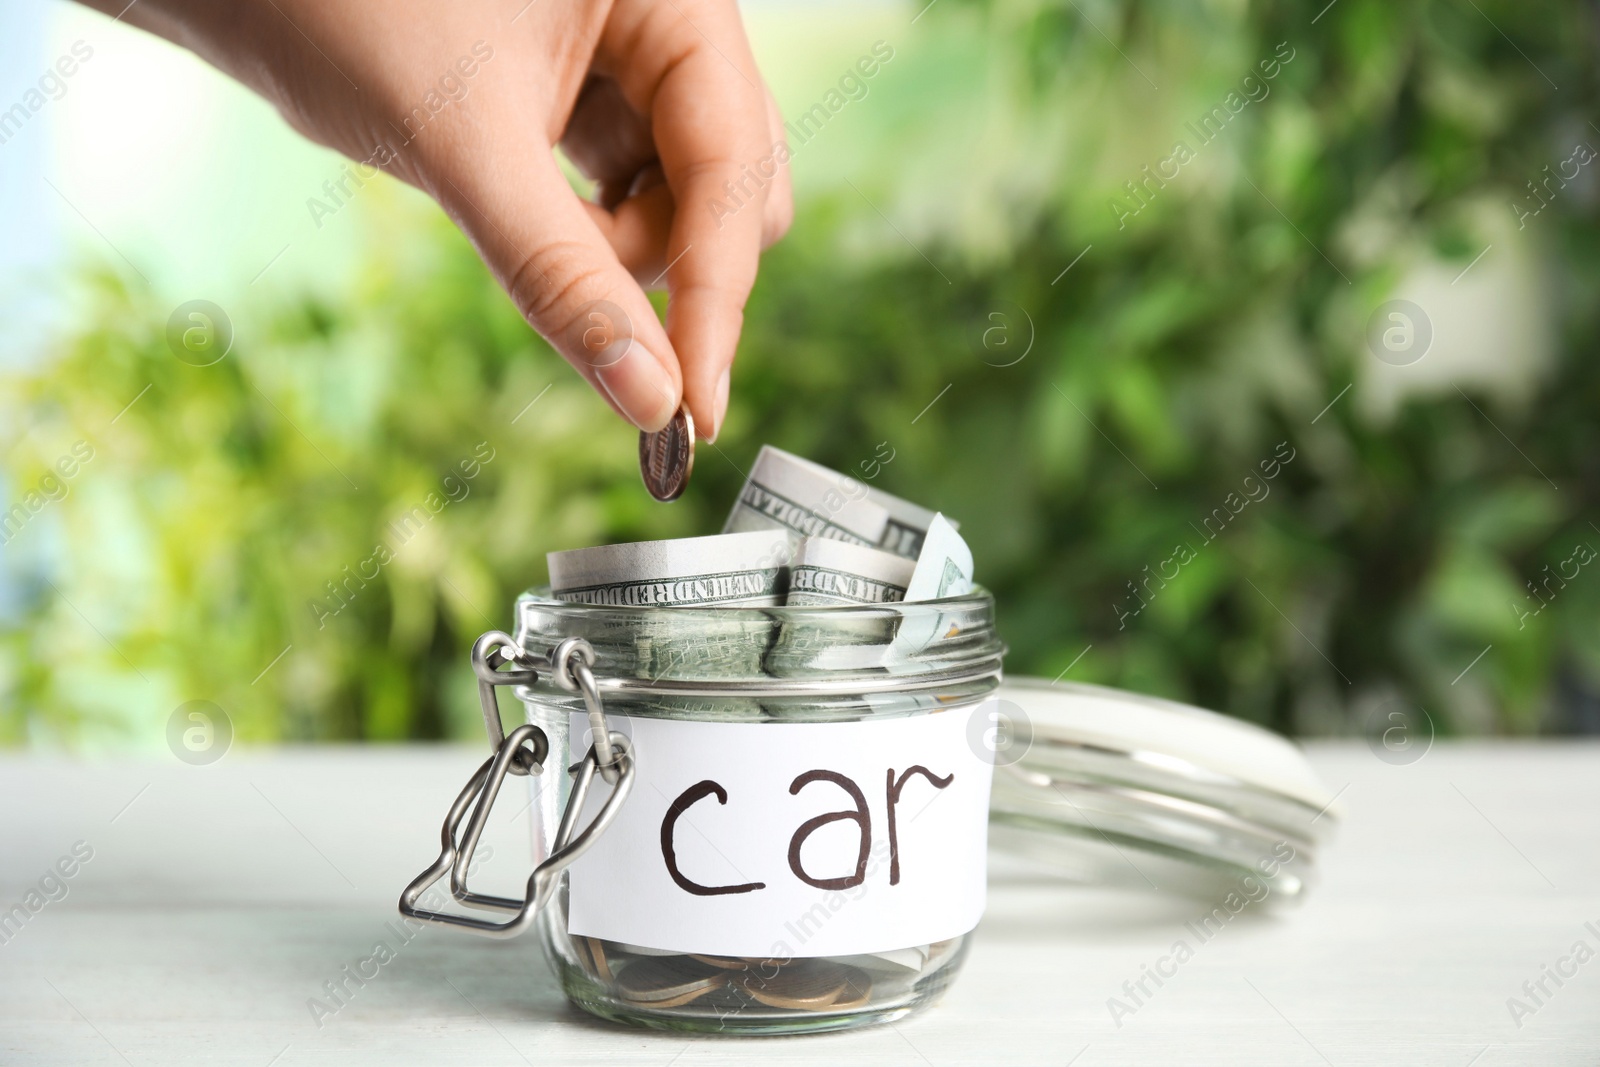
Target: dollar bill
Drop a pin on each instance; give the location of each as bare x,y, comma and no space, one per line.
904,532
785,492
826,571
944,566
944,569
723,570
906,525
801,535
720,571
830,573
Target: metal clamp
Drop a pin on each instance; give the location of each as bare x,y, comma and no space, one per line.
573,659
489,653
569,666
479,793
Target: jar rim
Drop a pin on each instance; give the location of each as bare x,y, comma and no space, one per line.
978,597
746,648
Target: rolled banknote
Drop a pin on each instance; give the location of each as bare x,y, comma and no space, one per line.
726,570
944,566
826,571
908,523
786,493
825,492
723,570
841,574
944,569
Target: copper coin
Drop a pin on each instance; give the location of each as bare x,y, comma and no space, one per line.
807,985
597,953
726,963
667,456
581,949
667,981
857,990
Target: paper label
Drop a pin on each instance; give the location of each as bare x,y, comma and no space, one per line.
791,839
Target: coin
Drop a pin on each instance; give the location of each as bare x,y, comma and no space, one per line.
667,456
592,954
726,963
808,985
667,981
857,990
580,948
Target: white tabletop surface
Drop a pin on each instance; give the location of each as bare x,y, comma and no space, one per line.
218,900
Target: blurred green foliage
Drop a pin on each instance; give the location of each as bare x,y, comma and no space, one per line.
1082,424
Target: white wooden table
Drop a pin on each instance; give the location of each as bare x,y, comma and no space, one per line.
219,900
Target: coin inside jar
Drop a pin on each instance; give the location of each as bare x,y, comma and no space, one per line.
667,456
857,990
726,963
667,981
806,985
592,955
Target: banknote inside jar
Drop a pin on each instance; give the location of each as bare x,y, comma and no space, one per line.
799,535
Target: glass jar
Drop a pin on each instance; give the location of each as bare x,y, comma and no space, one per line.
664,897
758,669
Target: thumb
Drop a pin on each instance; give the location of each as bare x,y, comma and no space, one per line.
535,235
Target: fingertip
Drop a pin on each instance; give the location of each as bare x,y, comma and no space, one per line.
706,347
777,217
723,385
705,419
640,388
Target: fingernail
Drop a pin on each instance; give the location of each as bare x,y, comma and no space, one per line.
722,401
640,387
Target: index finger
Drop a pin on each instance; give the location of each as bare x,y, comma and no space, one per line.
687,64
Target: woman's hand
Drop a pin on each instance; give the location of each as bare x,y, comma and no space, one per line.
659,101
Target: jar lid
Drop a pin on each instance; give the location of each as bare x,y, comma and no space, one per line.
1112,787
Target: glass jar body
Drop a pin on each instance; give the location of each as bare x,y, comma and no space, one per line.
899,669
